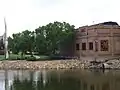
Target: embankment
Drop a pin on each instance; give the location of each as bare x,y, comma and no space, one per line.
57,64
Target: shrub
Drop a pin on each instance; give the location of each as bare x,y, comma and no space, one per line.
31,58
57,57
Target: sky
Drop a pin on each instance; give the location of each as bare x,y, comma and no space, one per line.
30,14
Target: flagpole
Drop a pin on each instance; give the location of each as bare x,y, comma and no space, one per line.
5,40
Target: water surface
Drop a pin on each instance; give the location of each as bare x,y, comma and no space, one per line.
59,80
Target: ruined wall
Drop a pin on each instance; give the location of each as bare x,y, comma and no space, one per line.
99,40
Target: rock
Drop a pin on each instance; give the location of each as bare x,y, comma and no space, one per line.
107,66
57,64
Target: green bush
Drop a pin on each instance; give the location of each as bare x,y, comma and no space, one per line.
44,58
31,58
26,57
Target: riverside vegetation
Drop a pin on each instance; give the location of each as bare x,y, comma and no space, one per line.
46,40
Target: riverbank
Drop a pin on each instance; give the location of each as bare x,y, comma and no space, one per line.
57,64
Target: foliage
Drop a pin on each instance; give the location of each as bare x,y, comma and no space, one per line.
32,58
40,40
45,40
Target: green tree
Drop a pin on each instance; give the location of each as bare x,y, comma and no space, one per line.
56,34
50,39
10,43
40,40
27,42
14,43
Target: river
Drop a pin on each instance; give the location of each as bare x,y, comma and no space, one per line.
59,80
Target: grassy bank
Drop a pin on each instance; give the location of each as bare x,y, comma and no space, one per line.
24,57
34,57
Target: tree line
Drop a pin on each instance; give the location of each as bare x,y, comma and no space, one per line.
49,39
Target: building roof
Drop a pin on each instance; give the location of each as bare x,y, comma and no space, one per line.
106,23
110,23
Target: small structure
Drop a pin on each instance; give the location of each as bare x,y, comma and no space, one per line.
2,48
99,40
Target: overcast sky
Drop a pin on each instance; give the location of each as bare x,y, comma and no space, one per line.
30,14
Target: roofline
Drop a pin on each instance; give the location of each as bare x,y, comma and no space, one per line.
103,23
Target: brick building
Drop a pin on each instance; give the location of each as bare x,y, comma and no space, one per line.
98,40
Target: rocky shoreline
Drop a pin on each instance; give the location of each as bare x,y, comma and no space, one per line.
57,64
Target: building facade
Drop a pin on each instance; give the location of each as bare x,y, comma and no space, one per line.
98,40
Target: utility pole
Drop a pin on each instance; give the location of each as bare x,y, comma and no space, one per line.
5,40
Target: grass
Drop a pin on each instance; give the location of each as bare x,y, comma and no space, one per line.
2,57
29,58
25,57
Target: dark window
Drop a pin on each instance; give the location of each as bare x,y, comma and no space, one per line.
90,46
96,46
104,45
83,46
77,46
83,30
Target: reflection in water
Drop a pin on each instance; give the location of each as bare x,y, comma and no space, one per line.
6,80
61,80
51,82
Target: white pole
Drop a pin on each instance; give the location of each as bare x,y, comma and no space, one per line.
6,41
